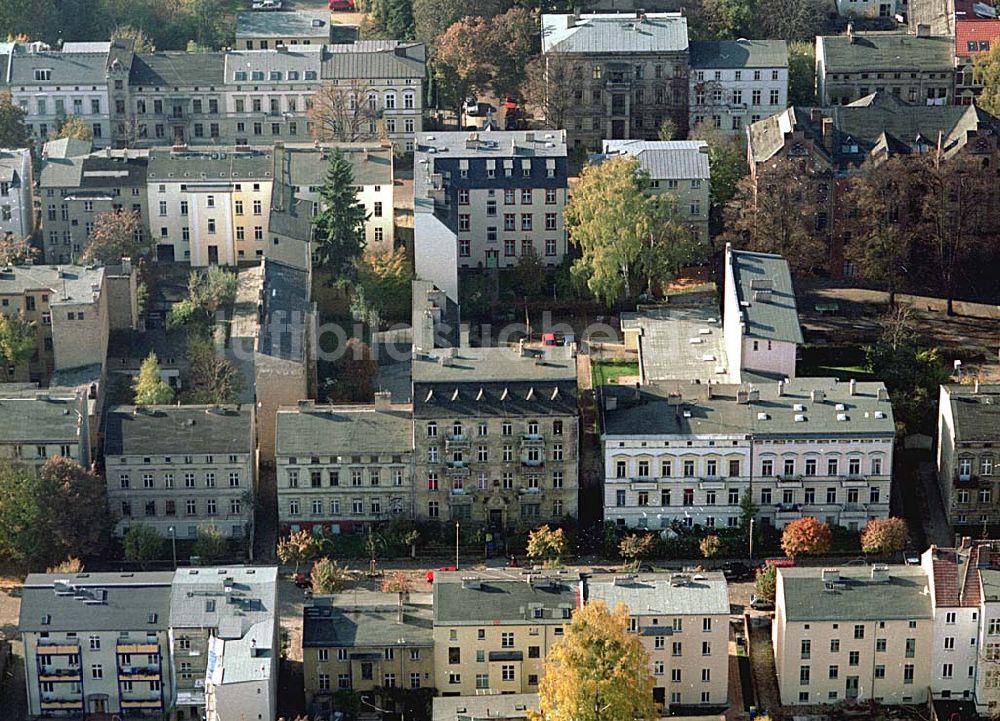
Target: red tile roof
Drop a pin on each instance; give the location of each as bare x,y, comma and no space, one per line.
975,31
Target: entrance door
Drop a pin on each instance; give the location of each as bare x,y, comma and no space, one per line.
178,135
496,518
165,253
213,255
98,705
851,691
660,695
618,129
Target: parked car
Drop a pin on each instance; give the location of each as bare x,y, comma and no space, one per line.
736,571
472,107
777,563
342,5
430,574
760,604
267,4
303,580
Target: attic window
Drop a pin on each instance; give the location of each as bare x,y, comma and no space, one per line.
799,407
46,619
153,617
210,605
880,414
840,407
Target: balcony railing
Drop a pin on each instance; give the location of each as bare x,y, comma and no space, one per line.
532,462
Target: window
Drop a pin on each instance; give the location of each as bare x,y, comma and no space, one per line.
97,671
911,647
804,675
859,631
853,658
834,671
908,674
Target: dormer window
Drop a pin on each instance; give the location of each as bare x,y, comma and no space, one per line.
43,74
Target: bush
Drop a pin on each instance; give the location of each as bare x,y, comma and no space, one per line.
329,577
710,546
766,584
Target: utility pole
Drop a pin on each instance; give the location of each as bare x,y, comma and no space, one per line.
456,545
173,544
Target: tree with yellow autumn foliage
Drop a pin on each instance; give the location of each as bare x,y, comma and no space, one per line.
597,672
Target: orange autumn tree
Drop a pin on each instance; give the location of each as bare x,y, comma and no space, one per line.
806,537
597,672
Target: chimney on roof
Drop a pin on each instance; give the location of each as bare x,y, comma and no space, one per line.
818,395
781,388
742,397
882,394
975,386
637,395
816,115
828,134
383,400
852,387
923,30
966,542
753,395
610,403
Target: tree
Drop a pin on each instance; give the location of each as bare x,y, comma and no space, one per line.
802,73
297,548
766,584
806,536
634,547
547,544
13,133
394,18
355,373
790,19
75,127
550,83
211,545
464,63
667,129
727,162
514,39
18,338
184,312
382,289
624,234
343,113
17,250
149,387
142,43
748,509
432,17
70,566
212,290
142,544
986,69
884,536
76,509
729,19
395,582
598,671
114,237
710,546
329,577
340,225
528,279
214,380
25,541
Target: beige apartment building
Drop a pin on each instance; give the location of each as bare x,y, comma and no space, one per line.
856,634
968,458
683,621
493,631
363,642
181,469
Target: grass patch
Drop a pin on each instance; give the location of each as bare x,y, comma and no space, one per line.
841,362
844,373
606,372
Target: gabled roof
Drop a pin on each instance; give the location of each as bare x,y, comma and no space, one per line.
973,37
893,52
177,430
171,69
373,60
765,295
665,159
614,33
67,68
724,54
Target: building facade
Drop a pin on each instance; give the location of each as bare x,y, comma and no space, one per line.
810,447
836,638
268,30
17,214
968,465
495,435
630,73
181,469
977,30
734,83
344,467
36,425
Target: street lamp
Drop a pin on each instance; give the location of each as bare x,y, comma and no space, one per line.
456,545
173,544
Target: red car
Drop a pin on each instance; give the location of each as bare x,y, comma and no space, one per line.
303,580
430,574
343,5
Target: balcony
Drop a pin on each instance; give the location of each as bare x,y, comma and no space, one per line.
60,675
792,481
137,703
140,673
57,649
642,484
854,481
532,440
61,704
138,648
532,462
456,441
457,468
966,480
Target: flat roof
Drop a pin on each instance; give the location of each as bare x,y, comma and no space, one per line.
664,594
855,595
667,343
313,24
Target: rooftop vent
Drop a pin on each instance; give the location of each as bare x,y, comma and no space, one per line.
831,574
798,407
800,418
762,416
841,416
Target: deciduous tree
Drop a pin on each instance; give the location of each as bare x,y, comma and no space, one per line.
546,544
297,548
17,250
214,380
667,129
343,113
329,577
340,225
18,338
142,544
710,546
149,387
13,133
213,289
76,507
986,69
383,286
464,63
884,536
433,17
75,127
356,369
598,671
729,19
802,73
550,84
115,236
766,584
142,43
395,582
789,19
211,545
514,39
727,162
806,536
633,547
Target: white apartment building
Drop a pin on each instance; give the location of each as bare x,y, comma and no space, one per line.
180,469
344,467
685,454
678,168
760,316
854,634
683,621
734,83
17,215
210,207
870,8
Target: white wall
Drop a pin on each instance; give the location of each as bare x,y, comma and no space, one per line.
769,355
436,253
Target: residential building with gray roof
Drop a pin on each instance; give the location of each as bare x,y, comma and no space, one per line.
17,215
38,424
629,73
968,463
264,31
181,469
344,467
505,707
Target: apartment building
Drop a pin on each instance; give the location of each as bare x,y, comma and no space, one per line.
870,9
52,85
837,638
69,306
495,433
683,621
97,643
366,641
818,142
74,189
918,69
17,216
37,424
492,632
341,468
225,643
682,454
485,200
736,82
181,469
266,31
630,73
977,31
968,464
760,315
678,168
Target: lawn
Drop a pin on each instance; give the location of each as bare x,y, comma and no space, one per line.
606,372
842,362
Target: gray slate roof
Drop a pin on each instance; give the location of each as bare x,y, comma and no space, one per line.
297,57
346,61
223,164
345,429
366,619
773,319
171,69
288,216
484,708
27,420
855,597
84,69
665,159
654,594
94,172
500,598
66,148
285,24
253,598
976,415
894,52
651,414
665,348
725,54
131,599
494,144
67,283
177,430
614,33
305,165
553,364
